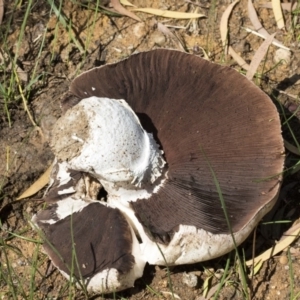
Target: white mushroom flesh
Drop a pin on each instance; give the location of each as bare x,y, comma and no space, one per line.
104,137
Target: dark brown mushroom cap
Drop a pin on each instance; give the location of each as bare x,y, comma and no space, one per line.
200,113
95,230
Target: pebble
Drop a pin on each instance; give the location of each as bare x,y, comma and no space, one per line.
164,283
283,259
158,38
293,250
29,209
21,262
282,55
190,279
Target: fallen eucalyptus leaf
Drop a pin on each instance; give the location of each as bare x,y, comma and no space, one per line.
256,269
275,42
224,33
257,25
278,14
127,3
166,31
286,240
241,62
258,56
168,13
285,6
224,25
37,185
116,5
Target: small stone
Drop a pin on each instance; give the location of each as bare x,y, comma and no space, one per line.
190,279
197,273
164,283
158,38
29,209
21,262
283,56
283,259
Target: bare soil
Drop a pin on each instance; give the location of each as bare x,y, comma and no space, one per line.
25,153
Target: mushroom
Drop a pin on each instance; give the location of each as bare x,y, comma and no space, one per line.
167,135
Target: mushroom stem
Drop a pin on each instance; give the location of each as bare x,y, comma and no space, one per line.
105,138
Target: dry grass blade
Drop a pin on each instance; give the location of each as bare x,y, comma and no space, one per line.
169,14
287,239
224,25
37,185
258,56
123,11
1,10
278,14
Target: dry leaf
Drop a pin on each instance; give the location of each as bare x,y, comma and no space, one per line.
166,31
258,56
127,3
238,59
37,185
258,26
168,13
255,21
123,11
224,33
286,240
256,269
278,13
285,6
275,42
224,25
1,10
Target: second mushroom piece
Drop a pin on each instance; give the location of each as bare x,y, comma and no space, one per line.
163,158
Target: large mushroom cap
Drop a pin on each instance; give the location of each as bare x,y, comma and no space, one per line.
217,131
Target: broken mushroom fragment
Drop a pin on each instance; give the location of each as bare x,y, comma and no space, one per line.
79,238
162,132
